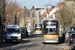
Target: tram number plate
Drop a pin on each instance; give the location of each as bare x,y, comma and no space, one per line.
50,26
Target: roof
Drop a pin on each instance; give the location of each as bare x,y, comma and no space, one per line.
53,11
46,12
52,8
39,8
60,4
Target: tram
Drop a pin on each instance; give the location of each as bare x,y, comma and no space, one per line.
38,28
50,31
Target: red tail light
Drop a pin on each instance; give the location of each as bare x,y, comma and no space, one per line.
65,35
71,39
71,45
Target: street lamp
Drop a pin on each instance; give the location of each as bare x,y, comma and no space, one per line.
15,14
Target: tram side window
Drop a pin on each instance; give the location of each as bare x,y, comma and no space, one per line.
57,30
45,30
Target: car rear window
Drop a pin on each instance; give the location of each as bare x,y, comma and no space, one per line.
73,36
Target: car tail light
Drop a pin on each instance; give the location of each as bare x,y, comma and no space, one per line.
71,39
65,35
7,36
71,45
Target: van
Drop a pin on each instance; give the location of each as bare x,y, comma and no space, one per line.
13,33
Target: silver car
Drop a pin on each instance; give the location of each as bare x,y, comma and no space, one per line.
67,35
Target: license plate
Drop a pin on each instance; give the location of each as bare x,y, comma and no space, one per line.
13,40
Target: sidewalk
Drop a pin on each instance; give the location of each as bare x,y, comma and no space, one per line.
66,47
3,38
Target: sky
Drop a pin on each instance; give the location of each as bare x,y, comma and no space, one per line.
37,3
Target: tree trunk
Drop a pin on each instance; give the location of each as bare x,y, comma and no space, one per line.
1,31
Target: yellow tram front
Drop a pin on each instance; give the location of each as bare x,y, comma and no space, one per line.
50,31
38,28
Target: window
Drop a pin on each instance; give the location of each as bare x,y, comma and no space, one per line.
13,30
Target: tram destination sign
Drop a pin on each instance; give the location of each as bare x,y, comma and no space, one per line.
38,27
50,26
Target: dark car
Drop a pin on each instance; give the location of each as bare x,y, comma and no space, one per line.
23,34
71,42
67,35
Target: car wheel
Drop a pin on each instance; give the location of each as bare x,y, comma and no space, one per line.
20,41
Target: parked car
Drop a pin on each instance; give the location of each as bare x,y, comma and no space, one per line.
67,35
23,34
71,42
13,33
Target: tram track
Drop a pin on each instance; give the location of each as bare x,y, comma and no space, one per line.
56,45
51,46
32,43
43,47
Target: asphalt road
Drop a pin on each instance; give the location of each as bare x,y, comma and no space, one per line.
33,42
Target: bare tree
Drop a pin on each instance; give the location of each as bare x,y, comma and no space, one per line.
65,15
10,12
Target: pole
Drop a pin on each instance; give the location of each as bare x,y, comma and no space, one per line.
15,14
72,15
1,21
72,21
47,11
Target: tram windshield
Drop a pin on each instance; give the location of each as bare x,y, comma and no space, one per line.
50,31
38,27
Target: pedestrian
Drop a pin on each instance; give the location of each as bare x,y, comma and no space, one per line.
26,33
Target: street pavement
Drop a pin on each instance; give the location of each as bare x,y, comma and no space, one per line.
33,42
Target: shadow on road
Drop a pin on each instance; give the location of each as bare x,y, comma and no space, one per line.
33,36
14,46
7,44
25,41
60,40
